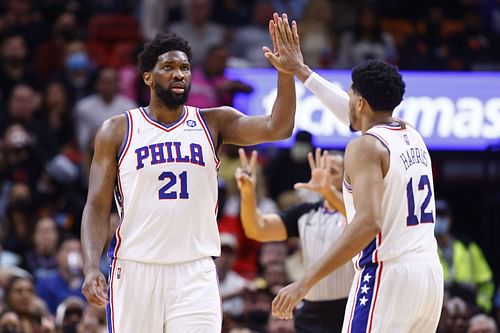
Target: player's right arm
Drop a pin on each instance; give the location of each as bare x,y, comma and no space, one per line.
262,228
331,96
96,214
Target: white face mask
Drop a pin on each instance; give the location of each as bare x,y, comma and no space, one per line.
299,152
442,225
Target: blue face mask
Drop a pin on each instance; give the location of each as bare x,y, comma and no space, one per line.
77,61
442,225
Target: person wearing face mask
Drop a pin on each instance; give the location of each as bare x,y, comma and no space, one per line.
464,265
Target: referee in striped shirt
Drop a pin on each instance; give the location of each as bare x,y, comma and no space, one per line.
318,225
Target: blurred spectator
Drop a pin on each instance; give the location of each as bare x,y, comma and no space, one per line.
257,307
131,83
23,164
49,55
19,15
19,297
317,35
106,102
427,49
69,314
274,273
466,271
14,65
472,46
248,40
154,16
67,280
9,322
458,316
271,253
78,70
367,41
60,193
19,216
294,8
294,161
209,86
41,259
57,119
276,325
93,321
232,13
198,30
231,284
482,323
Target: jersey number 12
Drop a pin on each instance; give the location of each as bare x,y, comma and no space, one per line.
412,219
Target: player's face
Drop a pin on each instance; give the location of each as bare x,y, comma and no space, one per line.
354,121
172,78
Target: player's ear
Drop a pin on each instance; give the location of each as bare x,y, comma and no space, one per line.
147,77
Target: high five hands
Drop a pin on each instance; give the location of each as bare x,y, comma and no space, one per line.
285,56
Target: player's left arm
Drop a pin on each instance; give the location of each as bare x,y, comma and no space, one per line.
364,163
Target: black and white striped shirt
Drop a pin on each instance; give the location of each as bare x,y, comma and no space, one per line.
318,228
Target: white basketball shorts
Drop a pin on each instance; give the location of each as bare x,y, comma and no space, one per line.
404,295
164,298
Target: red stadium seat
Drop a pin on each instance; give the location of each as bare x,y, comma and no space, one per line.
113,28
121,54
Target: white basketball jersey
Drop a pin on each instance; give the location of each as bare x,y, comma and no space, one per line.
166,191
408,208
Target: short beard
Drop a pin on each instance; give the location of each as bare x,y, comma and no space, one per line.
169,99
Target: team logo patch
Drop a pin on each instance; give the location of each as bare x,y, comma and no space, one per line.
191,123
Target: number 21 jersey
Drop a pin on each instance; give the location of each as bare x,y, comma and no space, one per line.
166,191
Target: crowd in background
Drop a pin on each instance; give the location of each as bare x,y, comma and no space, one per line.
67,65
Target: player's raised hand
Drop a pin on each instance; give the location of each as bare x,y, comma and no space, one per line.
287,299
95,288
321,166
246,174
286,56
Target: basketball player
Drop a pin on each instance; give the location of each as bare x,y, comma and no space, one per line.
389,199
163,160
318,225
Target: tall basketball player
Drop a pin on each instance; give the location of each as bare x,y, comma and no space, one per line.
389,197
161,163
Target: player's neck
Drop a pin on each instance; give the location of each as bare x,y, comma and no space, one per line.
164,113
377,119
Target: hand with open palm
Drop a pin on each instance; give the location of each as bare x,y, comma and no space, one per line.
286,55
322,166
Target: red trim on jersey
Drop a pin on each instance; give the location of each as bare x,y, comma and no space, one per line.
118,238
209,137
129,137
372,310
111,296
396,128
379,242
159,125
354,303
